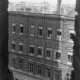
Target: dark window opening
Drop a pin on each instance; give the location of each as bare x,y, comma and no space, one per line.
39,51
31,67
31,49
58,55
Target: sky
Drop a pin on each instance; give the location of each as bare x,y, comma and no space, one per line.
50,1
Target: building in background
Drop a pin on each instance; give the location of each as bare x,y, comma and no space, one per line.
40,46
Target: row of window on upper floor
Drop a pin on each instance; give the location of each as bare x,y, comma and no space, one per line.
48,52
40,32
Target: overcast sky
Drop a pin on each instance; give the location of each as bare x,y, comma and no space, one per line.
50,1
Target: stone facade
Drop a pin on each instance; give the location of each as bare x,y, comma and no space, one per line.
43,43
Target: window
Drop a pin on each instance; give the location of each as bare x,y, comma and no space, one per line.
70,58
31,49
21,64
49,33
20,47
39,70
40,30
72,33
14,63
58,54
48,52
40,50
13,28
32,30
47,72
13,46
31,67
68,76
59,31
57,75
21,29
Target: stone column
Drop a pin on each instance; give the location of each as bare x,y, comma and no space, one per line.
4,71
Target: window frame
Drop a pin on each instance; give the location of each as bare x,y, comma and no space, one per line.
68,77
32,27
32,46
40,47
57,74
21,64
59,36
21,26
40,28
50,49
71,31
13,43
50,35
20,44
59,51
39,70
31,68
13,26
47,73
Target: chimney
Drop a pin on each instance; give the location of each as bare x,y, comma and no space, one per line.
59,7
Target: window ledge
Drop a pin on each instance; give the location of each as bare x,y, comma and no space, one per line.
69,63
48,58
20,52
31,54
49,38
13,32
20,33
12,50
57,60
71,41
40,56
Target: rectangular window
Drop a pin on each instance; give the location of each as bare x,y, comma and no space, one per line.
13,28
57,75
68,76
20,47
57,54
31,67
72,33
32,30
31,49
21,64
39,70
40,50
13,63
49,33
48,52
13,46
70,58
59,32
40,30
21,29
47,72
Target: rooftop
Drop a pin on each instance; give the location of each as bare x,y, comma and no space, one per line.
30,14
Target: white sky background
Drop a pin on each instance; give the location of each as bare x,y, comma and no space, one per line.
52,2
